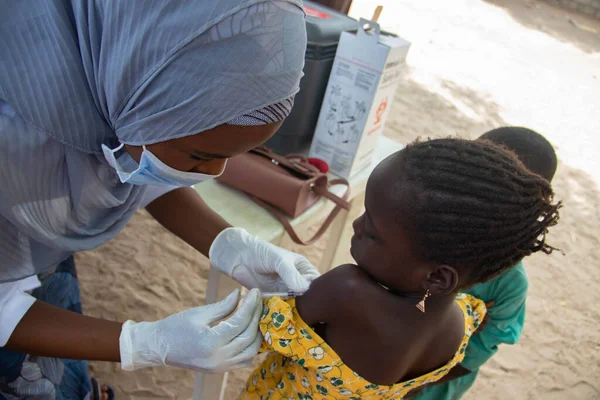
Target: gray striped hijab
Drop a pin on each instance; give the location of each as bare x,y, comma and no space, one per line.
75,74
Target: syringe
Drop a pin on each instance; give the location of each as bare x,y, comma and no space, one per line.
289,293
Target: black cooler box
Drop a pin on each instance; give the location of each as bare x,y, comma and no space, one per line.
323,27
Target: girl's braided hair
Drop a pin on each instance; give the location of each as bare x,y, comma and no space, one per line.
476,206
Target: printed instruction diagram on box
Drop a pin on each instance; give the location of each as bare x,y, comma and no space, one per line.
344,116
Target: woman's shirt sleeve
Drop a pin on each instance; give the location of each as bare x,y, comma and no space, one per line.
154,192
14,304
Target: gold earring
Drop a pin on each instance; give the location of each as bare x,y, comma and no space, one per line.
421,305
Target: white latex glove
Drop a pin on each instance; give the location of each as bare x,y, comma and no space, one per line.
186,340
256,263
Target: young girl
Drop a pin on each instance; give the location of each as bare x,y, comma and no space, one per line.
440,216
507,291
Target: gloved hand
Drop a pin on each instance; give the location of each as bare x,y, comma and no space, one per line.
256,263
186,340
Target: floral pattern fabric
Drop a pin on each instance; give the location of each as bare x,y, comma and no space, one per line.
301,366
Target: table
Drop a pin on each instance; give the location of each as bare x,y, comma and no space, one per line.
237,209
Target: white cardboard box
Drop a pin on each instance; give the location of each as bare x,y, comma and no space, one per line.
360,91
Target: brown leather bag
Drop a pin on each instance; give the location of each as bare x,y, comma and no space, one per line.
285,185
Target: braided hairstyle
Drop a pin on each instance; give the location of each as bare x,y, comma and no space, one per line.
475,206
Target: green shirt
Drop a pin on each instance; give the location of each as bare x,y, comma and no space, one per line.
505,325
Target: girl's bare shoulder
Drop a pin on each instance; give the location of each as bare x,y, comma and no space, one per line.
338,293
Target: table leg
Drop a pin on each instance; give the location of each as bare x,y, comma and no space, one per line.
212,386
338,244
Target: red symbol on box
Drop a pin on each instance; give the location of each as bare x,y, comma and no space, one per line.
381,110
311,12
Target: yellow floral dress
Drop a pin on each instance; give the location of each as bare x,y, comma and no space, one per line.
301,366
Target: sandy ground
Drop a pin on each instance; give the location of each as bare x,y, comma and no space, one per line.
474,65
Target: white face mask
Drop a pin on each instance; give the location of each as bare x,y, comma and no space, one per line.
150,170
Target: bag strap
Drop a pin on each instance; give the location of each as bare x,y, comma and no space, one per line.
300,164
340,203
323,190
294,162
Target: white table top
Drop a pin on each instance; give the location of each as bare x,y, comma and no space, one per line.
240,211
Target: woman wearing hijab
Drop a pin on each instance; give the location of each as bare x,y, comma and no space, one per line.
106,107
